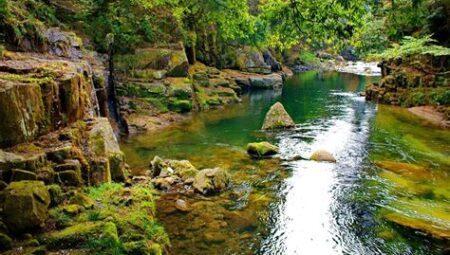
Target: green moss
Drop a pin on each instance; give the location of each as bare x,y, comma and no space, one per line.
60,218
104,190
26,79
158,103
75,236
180,105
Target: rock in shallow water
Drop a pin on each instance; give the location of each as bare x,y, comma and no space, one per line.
323,155
277,118
210,181
262,149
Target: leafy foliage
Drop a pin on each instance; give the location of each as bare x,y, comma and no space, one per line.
318,23
414,46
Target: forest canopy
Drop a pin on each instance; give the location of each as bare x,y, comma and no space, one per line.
366,26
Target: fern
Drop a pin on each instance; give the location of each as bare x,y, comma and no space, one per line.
414,46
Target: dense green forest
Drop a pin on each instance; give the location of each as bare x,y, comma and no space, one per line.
365,26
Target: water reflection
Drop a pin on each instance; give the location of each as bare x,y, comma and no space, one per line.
313,218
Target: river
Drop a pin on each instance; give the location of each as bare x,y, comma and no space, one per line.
279,206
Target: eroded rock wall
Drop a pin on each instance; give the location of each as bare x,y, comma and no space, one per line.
416,81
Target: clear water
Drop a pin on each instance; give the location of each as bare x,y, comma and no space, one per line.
280,206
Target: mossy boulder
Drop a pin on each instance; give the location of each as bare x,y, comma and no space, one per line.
209,181
262,149
323,155
277,118
25,205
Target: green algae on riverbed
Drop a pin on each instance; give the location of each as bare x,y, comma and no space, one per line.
411,159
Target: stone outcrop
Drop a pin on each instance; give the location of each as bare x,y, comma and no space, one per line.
87,152
38,96
251,81
277,118
212,87
415,81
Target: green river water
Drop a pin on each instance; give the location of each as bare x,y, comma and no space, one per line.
388,193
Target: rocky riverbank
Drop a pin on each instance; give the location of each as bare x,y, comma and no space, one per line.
416,81
158,86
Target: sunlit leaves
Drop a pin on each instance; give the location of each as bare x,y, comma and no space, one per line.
414,46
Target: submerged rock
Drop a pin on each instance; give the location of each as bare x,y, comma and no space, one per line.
25,205
277,118
209,181
262,149
323,155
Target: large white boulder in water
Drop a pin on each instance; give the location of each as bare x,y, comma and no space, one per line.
277,118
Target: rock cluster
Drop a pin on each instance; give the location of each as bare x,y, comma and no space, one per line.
181,174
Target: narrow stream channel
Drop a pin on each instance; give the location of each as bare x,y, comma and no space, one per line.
279,206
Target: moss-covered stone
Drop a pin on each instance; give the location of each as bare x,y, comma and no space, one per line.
25,205
262,149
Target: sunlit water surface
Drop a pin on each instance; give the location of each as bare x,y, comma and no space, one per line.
278,206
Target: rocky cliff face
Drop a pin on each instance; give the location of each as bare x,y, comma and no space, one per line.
417,81
51,104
